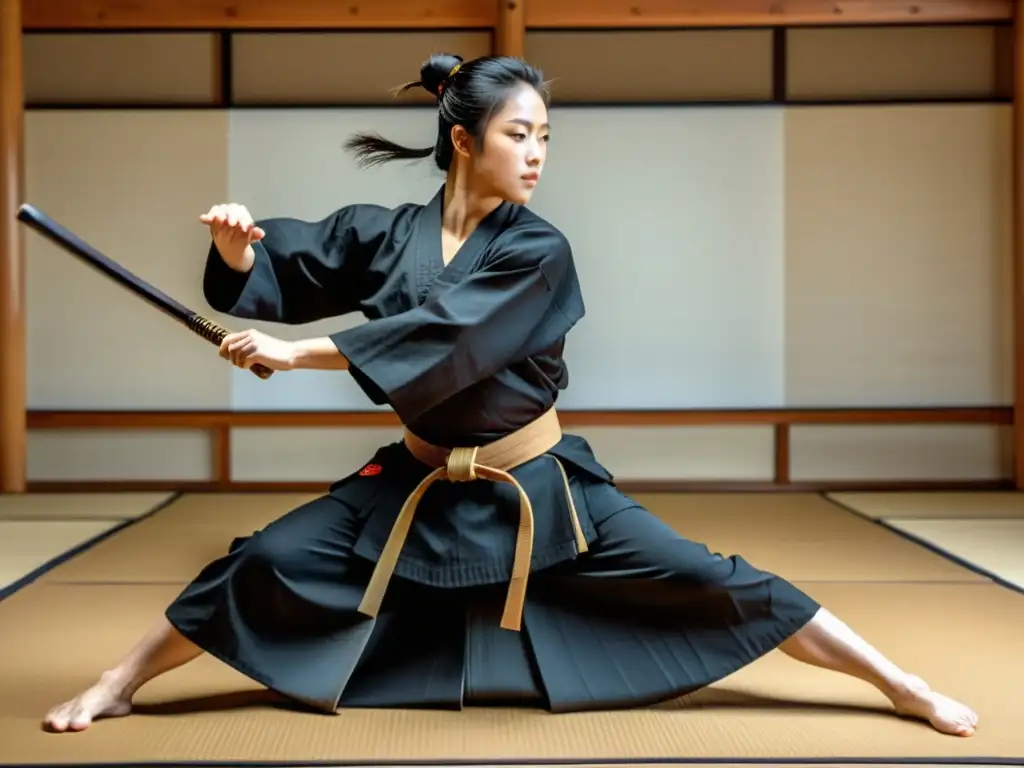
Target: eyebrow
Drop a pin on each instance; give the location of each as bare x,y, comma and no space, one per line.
526,123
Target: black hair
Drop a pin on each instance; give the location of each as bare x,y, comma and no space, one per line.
468,93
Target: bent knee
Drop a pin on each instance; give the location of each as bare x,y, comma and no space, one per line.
267,550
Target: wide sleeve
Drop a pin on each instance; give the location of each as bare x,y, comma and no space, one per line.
303,271
522,302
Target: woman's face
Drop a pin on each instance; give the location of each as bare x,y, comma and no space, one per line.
514,148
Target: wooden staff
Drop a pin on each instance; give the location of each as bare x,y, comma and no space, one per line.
73,244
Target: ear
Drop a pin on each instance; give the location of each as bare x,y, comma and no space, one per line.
462,142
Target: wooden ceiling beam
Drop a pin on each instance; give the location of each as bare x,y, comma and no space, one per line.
259,14
624,14
479,14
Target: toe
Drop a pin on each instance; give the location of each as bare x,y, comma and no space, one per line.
57,718
79,719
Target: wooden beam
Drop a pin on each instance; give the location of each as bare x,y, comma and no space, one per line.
209,420
218,424
510,32
782,454
626,486
220,455
1003,61
1018,244
258,14
13,423
480,14
759,13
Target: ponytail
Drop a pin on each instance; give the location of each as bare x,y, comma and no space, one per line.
372,149
467,94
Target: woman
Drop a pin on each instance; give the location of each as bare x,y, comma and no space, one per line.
394,590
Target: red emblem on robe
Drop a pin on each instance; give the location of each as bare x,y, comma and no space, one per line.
370,469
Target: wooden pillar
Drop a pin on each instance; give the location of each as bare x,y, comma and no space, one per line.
1018,242
510,34
13,421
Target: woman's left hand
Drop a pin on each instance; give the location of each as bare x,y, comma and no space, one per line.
246,348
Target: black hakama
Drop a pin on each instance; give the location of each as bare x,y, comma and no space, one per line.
464,353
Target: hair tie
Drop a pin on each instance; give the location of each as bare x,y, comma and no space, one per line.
449,76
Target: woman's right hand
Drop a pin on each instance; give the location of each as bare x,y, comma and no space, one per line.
233,232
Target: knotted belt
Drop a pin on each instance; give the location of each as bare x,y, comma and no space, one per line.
488,462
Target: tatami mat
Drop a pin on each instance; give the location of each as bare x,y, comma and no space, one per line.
79,506
964,638
172,545
26,545
934,505
803,537
996,546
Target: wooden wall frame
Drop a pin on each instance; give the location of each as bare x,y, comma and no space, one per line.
509,21
498,14
13,289
219,425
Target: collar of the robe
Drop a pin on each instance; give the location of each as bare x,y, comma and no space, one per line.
430,266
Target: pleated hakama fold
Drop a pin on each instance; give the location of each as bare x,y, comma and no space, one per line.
643,615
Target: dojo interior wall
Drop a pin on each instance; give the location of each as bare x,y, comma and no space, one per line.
734,252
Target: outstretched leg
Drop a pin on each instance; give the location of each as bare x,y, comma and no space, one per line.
682,618
294,573
829,643
161,650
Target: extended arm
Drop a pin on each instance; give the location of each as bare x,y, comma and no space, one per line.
301,271
319,354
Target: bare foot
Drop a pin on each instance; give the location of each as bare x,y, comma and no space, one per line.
944,714
107,698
